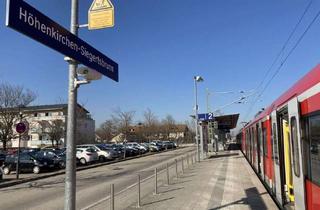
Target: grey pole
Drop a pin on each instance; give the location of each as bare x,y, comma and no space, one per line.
18,159
188,160
168,174
112,197
201,143
196,116
18,154
139,195
176,167
182,165
155,181
70,183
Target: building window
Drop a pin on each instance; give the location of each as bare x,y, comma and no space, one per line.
295,146
47,114
35,114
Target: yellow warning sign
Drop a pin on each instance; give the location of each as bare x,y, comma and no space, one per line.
100,14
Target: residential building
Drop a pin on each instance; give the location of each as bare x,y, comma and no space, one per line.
48,124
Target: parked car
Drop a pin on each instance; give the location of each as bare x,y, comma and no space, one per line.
2,157
146,145
154,147
103,154
118,149
59,161
28,163
1,174
168,144
135,145
113,153
159,144
130,151
86,155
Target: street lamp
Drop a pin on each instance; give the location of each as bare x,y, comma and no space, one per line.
196,80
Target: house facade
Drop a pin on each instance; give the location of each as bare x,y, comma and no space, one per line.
48,125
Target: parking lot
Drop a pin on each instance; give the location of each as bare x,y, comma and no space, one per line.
92,183
107,154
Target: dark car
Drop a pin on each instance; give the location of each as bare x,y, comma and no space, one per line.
159,144
2,157
59,159
129,151
168,144
28,163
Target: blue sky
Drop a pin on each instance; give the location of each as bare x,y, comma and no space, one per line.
160,45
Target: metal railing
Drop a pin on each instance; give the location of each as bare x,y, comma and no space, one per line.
189,159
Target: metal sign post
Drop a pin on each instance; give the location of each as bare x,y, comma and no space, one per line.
20,128
29,21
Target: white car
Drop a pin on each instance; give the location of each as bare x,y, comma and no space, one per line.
103,155
86,155
136,145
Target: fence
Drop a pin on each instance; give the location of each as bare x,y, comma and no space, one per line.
160,176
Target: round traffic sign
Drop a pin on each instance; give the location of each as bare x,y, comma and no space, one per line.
21,127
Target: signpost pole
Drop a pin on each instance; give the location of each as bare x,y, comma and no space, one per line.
18,153
196,115
18,159
70,185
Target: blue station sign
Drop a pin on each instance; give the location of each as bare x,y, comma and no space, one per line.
27,20
206,117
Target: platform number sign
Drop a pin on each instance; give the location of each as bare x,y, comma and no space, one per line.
206,117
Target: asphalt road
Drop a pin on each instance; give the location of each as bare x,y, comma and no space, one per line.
92,184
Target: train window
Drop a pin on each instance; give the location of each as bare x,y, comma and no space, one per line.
264,139
275,143
315,148
295,147
260,140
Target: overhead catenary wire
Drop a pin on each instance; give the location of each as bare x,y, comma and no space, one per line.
285,59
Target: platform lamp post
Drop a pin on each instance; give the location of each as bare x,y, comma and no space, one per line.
196,80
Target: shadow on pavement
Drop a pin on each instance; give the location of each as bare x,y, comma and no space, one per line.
223,155
187,175
171,190
181,182
158,201
253,200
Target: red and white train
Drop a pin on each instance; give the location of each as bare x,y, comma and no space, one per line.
283,145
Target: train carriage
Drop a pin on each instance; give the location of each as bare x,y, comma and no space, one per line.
283,144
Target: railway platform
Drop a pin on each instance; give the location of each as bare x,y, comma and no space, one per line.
223,181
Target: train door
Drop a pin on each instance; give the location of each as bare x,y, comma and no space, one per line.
295,140
267,152
258,148
248,145
254,140
287,161
260,139
285,157
277,172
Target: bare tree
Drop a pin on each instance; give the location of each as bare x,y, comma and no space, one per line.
12,99
106,131
123,121
190,133
53,129
150,124
168,123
